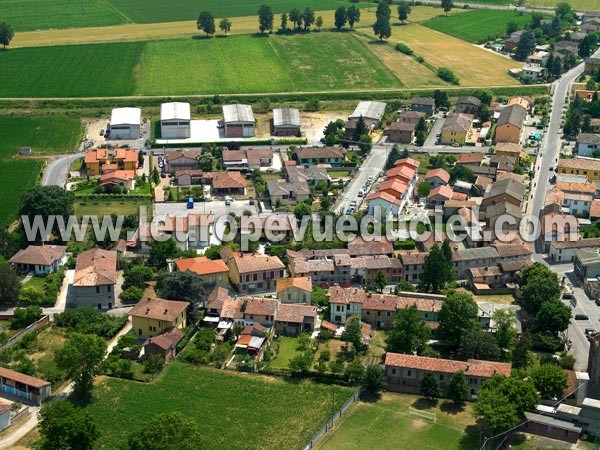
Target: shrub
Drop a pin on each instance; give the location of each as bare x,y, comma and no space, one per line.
132,294
403,48
447,75
23,317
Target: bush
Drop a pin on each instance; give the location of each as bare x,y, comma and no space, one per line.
132,294
90,321
403,48
447,75
23,317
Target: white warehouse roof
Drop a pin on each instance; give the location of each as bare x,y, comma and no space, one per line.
286,117
175,111
369,110
237,113
126,116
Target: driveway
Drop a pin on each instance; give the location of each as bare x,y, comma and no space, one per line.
56,172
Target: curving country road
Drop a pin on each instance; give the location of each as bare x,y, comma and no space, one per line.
55,173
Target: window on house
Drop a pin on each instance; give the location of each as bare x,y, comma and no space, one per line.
97,289
393,371
409,373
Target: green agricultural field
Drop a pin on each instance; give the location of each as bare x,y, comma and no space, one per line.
478,26
579,5
69,71
232,410
26,15
45,135
388,424
16,176
149,11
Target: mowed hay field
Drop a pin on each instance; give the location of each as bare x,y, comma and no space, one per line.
490,24
385,424
236,64
26,15
231,410
45,135
148,11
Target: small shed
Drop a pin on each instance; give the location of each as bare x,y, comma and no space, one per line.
286,122
175,120
238,121
125,123
25,151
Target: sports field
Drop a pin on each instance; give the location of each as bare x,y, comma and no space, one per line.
237,64
45,135
26,15
384,424
478,26
231,410
148,11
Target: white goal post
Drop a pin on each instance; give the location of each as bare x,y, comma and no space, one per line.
424,414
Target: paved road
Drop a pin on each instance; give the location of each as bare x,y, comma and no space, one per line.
491,6
56,171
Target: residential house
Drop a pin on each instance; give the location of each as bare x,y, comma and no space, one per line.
345,303
509,126
394,187
385,203
259,311
94,159
468,258
323,271
468,105
181,160
507,212
126,158
402,132
462,187
411,117
403,173
524,101
163,345
438,196
506,189
253,272
591,64
470,159
578,204
294,290
481,185
126,123
211,272
456,129
312,174
238,121
411,163
509,149
576,166
561,251
365,268
595,125
502,163
513,41
413,264
404,373
215,300
294,319
120,178
175,118
247,160
595,210
565,47
5,413
286,122
586,266
189,231
587,144
308,156
95,279
538,58
437,177
193,177
39,259
153,316
533,72
283,192
575,36
423,104
227,183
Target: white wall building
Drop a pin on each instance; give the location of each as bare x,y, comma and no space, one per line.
175,120
126,123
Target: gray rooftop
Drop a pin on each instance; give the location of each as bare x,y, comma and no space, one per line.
513,114
238,113
588,138
552,422
369,110
286,117
507,186
477,253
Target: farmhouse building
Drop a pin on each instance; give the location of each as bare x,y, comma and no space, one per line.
95,279
152,316
164,345
122,178
294,290
286,122
175,120
238,121
402,132
468,105
126,123
590,168
39,259
211,272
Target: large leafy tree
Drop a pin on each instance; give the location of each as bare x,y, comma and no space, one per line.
430,387
184,286
160,251
167,431
526,45
374,379
80,359
550,380
353,14
6,34
138,276
553,317
538,284
353,333
8,245
521,355
403,11
46,201
409,333
506,333
340,18
206,23
447,6
309,18
438,270
265,18
457,388
382,27
64,427
380,280
10,284
457,317
479,344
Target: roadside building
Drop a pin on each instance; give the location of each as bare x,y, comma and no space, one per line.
253,272
384,202
509,127
39,259
587,144
591,64
590,168
23,388
423,104
294,319
94,159
238,121
181,160
468,105
437,177
152,316
286,122
402,132
126,123
175,118
121,178
309,156
211,272
456,129
163,345
95,279
372,112
283,192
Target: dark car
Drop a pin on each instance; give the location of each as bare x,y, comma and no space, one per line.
590,331
567,296
581,317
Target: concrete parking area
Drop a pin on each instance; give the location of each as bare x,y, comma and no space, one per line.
216,207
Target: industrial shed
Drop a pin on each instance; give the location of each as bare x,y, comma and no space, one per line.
125,123
175,120
238,121
286,122
371,112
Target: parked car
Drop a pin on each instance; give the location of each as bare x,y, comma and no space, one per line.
353,203
581,317
567,296
251,201
361,193
590,330
598,301
228,201
455,144
348,210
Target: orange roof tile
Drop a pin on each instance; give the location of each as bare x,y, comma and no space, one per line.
472,367
95,267
386,197
158,309
439,173
202,265
302,283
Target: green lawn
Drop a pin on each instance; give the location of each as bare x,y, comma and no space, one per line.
231,410
109,206
149,11
45,135
16,176
26,15
236,64
390,427
287,351
70,71
478,25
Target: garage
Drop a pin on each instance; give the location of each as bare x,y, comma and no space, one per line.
125,123
175,120
238,121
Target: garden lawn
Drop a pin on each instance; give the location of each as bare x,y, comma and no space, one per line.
102,207
148,11
231,410
287,351
388,424
69,71
45,135
26,15
16,176
478,26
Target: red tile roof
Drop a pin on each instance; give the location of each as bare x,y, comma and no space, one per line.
302,283
402,171
409,162
202,265
386,197
470,158
439,173
43,255
290,312
96,155
260,306
167,339
95,267
394,184
595,209
473,367
460,196
228,180
122,175
443,191
22,378
255,262
158,309
126,154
